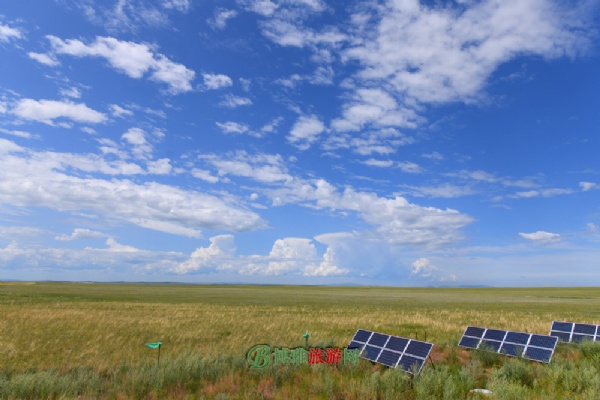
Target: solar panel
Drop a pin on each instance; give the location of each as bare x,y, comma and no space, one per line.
393,351
516,344
575,332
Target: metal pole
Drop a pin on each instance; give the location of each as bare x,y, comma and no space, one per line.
158,354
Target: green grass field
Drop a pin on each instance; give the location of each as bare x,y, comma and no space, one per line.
69,340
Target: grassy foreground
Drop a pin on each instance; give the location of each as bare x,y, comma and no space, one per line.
86,341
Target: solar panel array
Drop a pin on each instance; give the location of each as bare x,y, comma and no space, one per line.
393,351
526,345
575,332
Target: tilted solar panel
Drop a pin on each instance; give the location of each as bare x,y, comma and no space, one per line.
574,332
393,351
516,344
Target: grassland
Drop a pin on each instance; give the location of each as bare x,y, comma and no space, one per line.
69,340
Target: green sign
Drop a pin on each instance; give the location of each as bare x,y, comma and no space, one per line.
154,345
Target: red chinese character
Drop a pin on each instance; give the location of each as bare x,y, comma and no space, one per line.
315,356
333,355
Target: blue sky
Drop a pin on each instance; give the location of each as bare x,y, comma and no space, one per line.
301,141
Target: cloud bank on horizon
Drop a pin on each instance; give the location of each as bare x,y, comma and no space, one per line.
297,141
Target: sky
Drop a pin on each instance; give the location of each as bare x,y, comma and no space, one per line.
401,143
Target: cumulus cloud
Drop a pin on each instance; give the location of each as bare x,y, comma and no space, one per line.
47,111
222,15
216,81
42,58
80,233
132,59
221,251
541,237
305,131
422,268
43,179
585,186
7,33
263,168
232,127
288,256
120,112
231,101
140,147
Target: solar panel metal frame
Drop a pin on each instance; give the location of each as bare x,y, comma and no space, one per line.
394,352
511,343
569,332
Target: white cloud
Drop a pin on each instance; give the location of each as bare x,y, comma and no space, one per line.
72,92
179,5
204,175
445,190
305,131
7,33
80,233
232,127
409,167
433,156
442,54
261,167
222,15
265,8
395,220
21,134
131,15
47,111
42,179
540,193
378,163
541,237
216,256
585,186
374,107
160,167
422,268
136,137
288,256
216,81
113,246
382,141
133,59
120,112
46,59
231,101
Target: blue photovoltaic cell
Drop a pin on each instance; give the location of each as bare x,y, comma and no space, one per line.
531,346
396,343
517,337
392,351
355,345
577,338
419,349
574,332
548,342
562,326
494,334
586,329
562,336
362,336
474,331
408,362
490,345
512,349
389,358
377,339
371,352
534,353
469,342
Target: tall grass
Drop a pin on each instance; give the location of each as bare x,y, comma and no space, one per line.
63,341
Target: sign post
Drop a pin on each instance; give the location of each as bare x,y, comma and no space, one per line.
155,345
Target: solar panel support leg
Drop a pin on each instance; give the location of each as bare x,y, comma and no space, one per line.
432,364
